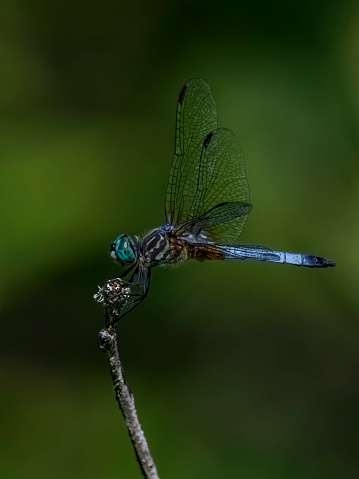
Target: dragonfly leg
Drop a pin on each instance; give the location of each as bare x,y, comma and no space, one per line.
128,271
120,296
138,296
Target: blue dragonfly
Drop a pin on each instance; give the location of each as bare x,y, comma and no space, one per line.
206,207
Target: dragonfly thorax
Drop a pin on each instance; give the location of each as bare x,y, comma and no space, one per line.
161,246
123,250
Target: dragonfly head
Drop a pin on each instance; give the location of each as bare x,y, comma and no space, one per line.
123,250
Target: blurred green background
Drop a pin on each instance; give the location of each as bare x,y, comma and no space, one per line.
240,370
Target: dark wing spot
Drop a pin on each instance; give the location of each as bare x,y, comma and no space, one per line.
182,94
207,140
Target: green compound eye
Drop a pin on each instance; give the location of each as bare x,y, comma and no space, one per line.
123,250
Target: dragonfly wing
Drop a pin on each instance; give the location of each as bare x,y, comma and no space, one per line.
213,223
196,118
220,197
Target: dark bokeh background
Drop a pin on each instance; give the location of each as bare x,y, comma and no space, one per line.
239,369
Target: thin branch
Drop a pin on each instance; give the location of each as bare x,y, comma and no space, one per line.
114,295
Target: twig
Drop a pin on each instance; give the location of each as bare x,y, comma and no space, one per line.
125,399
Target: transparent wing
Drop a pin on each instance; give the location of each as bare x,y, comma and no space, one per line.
220,197
196,118
224,222
208,191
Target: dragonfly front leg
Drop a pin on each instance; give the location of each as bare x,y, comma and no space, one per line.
139,285
120,296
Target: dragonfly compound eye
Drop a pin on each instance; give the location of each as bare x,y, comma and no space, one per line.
123,250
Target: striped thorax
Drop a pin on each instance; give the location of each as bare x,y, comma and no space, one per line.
161,246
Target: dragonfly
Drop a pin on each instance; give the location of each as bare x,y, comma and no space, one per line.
206,206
